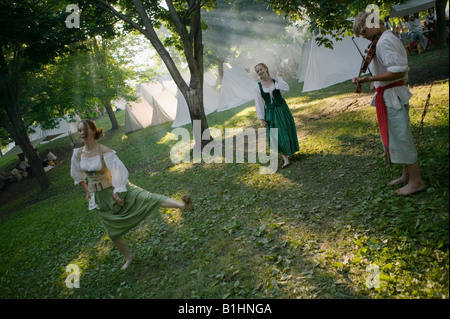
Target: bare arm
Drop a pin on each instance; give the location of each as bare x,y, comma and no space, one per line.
84,186
385,76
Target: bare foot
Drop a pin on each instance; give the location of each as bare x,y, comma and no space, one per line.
188,203
400,180
411,188
129,260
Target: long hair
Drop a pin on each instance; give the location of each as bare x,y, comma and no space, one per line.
98,132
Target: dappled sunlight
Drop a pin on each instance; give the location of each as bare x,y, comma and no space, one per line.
167,138
173,217
181,168
252,178
243,119
100,249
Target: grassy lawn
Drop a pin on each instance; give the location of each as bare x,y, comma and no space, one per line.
309,231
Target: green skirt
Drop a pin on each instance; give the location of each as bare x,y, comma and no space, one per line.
119,220
279,116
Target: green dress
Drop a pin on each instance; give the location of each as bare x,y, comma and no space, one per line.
278,115
119,220
138,203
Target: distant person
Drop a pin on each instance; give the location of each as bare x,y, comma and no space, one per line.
390,73
274,112
120,205
431,19
51,158
415,29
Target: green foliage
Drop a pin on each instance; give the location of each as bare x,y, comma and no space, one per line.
330,17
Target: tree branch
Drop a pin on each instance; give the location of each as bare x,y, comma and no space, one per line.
118,14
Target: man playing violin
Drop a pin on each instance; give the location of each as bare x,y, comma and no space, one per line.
391,99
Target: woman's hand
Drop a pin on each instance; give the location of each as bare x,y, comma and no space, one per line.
119,201
88,196
263,123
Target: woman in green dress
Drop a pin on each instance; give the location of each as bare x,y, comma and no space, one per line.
274,112
120,205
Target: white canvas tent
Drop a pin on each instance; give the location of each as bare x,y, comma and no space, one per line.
138,115
411,7
327,67
171,86
119,104
210,103
303,65
238,87
157,104
16,150
164,107
64,128
147,90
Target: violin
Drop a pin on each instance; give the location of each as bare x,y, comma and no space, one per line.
366,61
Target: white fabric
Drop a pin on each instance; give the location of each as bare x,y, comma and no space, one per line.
279,84
119,104
147,90
119,173
209,78
237,88
327,67
171,86
151,109
210,103
164,107
411,7
303,66
414,26
138,115
64,128
391,56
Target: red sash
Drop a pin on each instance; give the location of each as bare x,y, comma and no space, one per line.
382,116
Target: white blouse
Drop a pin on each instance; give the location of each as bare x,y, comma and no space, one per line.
119,173
279,84
391,56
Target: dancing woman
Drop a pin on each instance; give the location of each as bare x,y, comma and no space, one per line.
120,205
273,111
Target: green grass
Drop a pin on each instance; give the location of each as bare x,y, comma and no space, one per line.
309,231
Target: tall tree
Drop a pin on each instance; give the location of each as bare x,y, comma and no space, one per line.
108,78
32,35
183,18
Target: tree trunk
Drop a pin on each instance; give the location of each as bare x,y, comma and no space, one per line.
19,133
441,32
112,116
13,121
99,57
220,71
